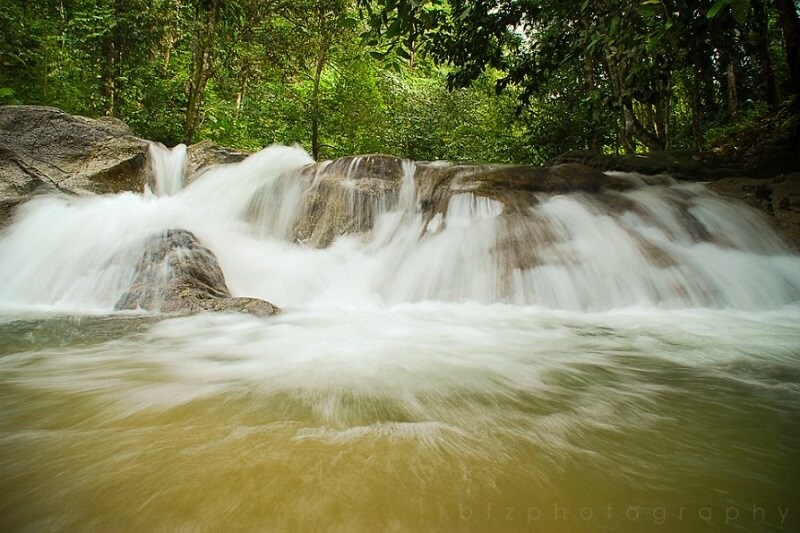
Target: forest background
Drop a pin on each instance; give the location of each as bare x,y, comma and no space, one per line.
491,81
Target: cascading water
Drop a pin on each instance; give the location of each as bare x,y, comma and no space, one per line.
452,355
669,244
169,169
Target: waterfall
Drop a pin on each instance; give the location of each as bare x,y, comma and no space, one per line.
169,169
375,230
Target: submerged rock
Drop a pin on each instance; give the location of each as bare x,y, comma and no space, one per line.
177,274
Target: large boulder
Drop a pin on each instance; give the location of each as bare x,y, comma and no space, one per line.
43,149
178,275
345,195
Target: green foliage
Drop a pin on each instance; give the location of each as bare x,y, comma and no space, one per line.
739,9
7,96
720,135
499,80
617,63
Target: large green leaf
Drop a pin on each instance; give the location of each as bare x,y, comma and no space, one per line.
715,9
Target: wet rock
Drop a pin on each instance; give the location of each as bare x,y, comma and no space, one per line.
744,179
178,275
777,198
684,165
71,152
206,153
345,195
43,149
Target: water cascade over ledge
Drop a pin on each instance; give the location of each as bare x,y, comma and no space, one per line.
375,229
460,348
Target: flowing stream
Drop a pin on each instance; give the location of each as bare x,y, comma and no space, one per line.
624,361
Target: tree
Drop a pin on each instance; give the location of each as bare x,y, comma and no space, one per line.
221,31
790,24
626,54
321,27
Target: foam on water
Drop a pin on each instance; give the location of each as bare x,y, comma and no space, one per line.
77,253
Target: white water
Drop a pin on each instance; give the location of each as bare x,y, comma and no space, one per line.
77,254
169,169
414,382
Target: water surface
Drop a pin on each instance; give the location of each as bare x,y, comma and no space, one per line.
573,367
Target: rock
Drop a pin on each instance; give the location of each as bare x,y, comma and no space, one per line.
345,195
778,198
43,149
205,154
178,275
744,179
75,153
18,182
684,165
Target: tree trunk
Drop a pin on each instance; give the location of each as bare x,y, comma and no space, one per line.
790,24
242,79
321,58
664,110
634,127
733,94
625,141
697,111
594,138
648,118
109,76
761,37
721,37
201,71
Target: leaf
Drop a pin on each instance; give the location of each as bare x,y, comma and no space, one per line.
648,10
740,9
380,56
349,22
716,8
594,43
394,28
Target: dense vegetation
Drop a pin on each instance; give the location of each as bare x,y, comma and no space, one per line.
499,80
